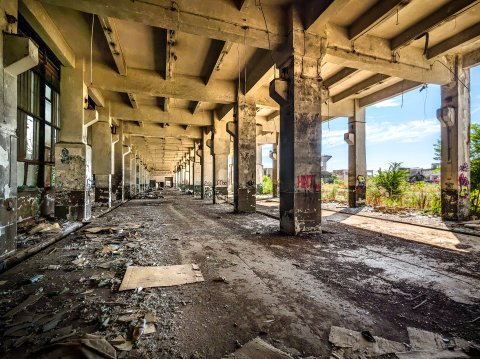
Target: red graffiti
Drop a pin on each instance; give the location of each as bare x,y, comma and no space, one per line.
307,182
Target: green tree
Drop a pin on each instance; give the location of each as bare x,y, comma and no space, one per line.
437,150
267,185
475,156
392,180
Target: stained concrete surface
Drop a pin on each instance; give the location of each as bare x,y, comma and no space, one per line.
289,290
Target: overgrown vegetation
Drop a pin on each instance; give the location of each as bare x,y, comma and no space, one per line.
267,185
393,180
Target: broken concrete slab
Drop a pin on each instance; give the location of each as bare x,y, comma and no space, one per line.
352,344
258,349
166,276
432,354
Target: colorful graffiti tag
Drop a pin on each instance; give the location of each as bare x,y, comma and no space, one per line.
361,182
307,182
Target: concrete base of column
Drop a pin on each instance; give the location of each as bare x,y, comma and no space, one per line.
117,187
221,194
73,193
246,200
103,190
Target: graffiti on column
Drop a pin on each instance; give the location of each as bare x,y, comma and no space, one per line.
463,182
361,182
65,157
307,182
221,183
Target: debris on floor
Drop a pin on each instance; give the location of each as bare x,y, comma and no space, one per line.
165,276
45,227
350,344
258,349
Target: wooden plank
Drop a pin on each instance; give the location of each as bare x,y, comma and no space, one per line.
166,276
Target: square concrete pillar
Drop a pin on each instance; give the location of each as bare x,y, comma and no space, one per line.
259,170
245,153
126,172
221,150
299,93
197,171
454,116
102,159
8,142
357,158
117,176
133,174
275,157
207,164
74,192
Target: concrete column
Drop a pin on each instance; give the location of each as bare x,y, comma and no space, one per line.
117,176
299,93
8,142
259,169
245,153
133,174
274,157
207,164
221,149
73,157
102,159
357,158
455,167
197,171
126,172
191,169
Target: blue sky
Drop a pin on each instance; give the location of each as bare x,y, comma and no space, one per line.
394,132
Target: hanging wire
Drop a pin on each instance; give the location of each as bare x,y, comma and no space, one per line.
259,5
453,73
91,50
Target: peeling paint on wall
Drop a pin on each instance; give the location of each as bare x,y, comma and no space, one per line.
3,158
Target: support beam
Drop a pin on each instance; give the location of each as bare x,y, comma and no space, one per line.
361,86
319,13
133,100
154,114
242,5
440,16
357,159
155,131
151,83
437,74
454,116
206,19
194,107
244,156
389,92
96,95
375,15
453,43
113,40
38,18
341,76
471,59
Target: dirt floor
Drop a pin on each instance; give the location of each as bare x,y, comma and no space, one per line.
288,290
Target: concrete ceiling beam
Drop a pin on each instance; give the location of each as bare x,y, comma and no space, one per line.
453,43
45,27
375,15
96,95
319,13
133,100
205,18
388,92
151,83
471,59
341,76
154,114
153,130
361,86
219,49
113,40
373,54
439,17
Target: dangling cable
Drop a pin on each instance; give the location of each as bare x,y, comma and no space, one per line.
91,50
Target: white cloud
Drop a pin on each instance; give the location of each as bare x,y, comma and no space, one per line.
412,131
333,138
387,103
